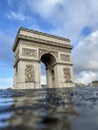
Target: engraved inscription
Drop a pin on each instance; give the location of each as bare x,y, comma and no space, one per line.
67,74
29,73
29,52
65,57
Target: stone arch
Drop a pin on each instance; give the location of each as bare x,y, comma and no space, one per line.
45,51
49,60
31,47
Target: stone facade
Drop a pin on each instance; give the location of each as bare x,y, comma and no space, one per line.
32,47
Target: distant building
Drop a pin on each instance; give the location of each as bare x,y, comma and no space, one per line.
95,83
79,84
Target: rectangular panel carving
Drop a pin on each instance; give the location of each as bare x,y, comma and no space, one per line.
29,73
29,52
65,57
67,75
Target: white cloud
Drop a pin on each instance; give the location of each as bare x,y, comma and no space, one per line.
86,77
17,16
69,17
44,7
85,59
86,52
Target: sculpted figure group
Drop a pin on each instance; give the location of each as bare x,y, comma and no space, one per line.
29,73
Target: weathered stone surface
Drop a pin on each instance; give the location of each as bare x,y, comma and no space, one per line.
32,47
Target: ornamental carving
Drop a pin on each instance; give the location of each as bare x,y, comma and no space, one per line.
65,57
29,52
54,53
67,74
29,73
43,51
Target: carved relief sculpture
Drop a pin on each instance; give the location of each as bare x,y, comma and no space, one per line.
29,73
67,74
29,52
65,57
42,51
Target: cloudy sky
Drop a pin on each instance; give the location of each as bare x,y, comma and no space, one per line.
73,19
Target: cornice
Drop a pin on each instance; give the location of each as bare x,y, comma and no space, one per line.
21,36
44,34
46,42
25,59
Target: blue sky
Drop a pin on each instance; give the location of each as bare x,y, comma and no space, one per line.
76,20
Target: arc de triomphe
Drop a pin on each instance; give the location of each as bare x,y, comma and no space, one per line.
30,48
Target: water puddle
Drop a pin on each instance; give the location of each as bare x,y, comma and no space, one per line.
55,109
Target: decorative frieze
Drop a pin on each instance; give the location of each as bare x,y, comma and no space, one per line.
29,52
29,73
64,57
44,51
67,74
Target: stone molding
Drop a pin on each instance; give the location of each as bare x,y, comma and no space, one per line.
44,34
44,46
25,59
20,36
44,41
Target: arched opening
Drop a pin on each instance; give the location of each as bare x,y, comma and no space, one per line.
48,69
43,75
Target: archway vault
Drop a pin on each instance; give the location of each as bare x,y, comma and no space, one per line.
50,61
32,47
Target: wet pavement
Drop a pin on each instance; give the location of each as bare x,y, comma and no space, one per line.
49,109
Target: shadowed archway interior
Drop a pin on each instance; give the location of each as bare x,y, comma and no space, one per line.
48,59
49,62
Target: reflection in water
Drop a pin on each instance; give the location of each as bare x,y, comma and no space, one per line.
55,109
5,104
